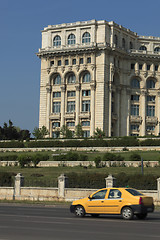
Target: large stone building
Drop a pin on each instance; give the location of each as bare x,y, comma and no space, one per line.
99,74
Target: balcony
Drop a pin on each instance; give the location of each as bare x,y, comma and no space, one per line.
136,119
70,115
55,116
151,120
85,115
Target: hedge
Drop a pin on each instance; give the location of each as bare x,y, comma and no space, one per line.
11,144
97,180
6,179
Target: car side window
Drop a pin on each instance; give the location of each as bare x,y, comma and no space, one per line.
100,195
114,193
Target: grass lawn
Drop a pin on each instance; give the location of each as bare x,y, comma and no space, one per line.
146,155
47,176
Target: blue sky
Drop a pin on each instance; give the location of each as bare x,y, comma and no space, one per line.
21,22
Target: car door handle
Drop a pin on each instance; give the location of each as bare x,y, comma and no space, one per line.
120,200
102,201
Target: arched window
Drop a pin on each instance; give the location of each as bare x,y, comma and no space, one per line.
157,49
131,45
86,38
57,41
71,39
116,40
135,83
123,43
86,78
57,80
150,83
71,78
143,48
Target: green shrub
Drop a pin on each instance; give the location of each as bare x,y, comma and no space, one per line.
6,179
97,161
135,157
8,157
72,156
24,160
11,144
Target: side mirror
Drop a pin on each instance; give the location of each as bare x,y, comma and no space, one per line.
90,197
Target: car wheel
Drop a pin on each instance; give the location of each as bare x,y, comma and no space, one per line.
141,216
79,211
127,213
95,215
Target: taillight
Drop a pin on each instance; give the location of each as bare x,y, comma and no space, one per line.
140,201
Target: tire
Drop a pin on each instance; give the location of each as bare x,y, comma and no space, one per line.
141,215
95,215
79,211
127,213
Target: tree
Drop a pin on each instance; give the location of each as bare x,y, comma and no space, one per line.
40,133
36,159
99,134
79,131
66,133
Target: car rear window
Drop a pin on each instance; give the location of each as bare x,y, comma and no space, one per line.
133,192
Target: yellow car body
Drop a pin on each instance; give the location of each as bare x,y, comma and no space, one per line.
125,201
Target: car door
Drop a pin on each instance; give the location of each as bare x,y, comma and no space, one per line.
114,201
96,203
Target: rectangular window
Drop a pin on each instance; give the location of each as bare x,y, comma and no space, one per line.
55,124
85,123
51,63
59,62
70,124
86,106
135,127
71,94
140,66
86,93
56,134
71,106
74,61
134,110
132,66
150,111
56,94
86,134
148,67
56,107
134,97
66,62
81,61
89,60
156,67
150,128
150,98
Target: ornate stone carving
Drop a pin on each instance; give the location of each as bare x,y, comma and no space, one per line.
78,87
63,88
137,72
93,85
93,66
145,74
55,69
77,68
48,70
62,69
48,88
70,68
84,66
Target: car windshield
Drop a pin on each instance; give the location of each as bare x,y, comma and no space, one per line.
133,192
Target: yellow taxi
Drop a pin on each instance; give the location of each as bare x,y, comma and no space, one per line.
125,201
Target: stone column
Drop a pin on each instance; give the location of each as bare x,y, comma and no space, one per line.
158,189
48,110
110,181
19,181
158,111
128,91
143,112
112,37
118,112
110,99
62,184
62,104
77,103
93,86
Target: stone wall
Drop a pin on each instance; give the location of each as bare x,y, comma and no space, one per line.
62,193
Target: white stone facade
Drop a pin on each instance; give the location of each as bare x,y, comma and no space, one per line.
99,74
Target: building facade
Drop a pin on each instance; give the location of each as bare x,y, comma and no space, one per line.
100,75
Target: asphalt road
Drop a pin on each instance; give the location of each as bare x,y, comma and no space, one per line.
57,223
